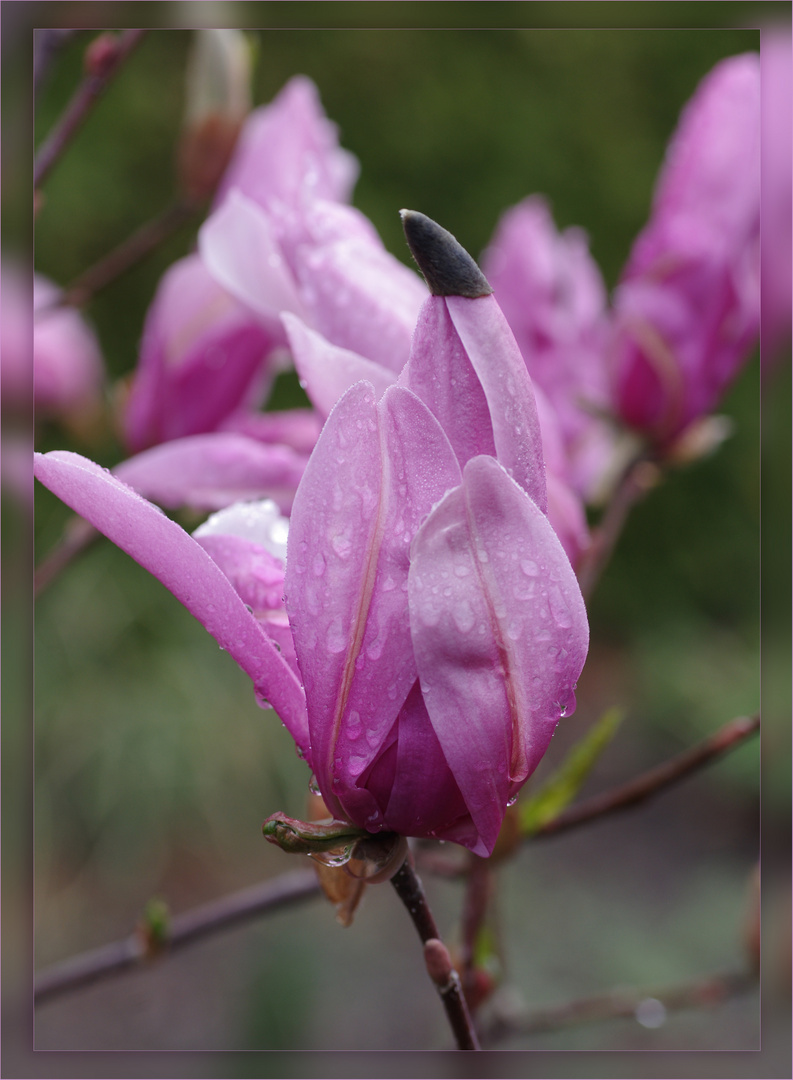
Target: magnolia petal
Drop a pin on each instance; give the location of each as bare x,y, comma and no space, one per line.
375,473
208,472
164,549
241,251
298,428
418,468
440,372
362,298
424,799
326,371
258,579
288,150
497,361
330,569
202,356
499,633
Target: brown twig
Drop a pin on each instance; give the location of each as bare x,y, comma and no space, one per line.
648,1007
78,534
642,787
82,102
411,893
184,929
640,476
122,258
47,44
289,888
654,780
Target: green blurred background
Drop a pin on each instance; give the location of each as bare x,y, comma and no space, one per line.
154,767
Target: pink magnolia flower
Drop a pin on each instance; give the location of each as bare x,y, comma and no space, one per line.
777,194
438,627
687,308
289,152
206,360
65,362
440,371
554,299
327,266
202,359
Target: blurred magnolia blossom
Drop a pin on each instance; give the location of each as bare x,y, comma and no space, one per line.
218,97
777,193
49,350
553,296
687,308
279,239
435,630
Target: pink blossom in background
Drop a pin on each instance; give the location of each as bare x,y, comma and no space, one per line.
207,359
777,194
54,353
331,271
553,296
687,308
279,240
202,358
288,153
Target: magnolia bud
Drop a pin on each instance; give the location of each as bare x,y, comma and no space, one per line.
218,100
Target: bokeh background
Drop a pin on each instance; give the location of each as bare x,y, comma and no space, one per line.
154,767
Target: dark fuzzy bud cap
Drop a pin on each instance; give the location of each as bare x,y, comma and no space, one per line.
447,267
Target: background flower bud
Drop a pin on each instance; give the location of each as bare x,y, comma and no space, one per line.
217,101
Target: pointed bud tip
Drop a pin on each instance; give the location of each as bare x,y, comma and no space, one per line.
447,267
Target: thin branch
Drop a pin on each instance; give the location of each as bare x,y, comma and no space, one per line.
47,44
78,534
411,893
81,104
122,258
639,477
291,888
184,929
648,1007
654,780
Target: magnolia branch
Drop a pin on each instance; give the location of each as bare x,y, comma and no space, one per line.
642,787
654,780
436,955
294,887
638,478
183,930
82,102
648,1007
128,253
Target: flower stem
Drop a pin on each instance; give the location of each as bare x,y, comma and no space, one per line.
411,893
